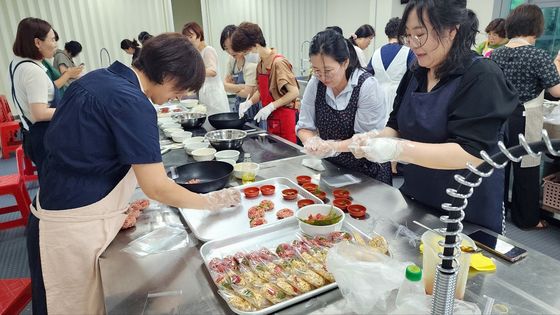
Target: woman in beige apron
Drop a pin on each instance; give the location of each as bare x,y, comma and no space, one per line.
100,146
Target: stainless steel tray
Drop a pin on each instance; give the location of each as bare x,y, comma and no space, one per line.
208,225
268,236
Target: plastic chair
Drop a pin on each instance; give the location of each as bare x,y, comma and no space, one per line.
15,294
29,170
14,184
9,129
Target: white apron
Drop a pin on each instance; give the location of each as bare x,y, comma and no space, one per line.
70,243
534,119
390,78
213,94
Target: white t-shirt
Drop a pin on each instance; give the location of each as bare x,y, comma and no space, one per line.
361,56
32,85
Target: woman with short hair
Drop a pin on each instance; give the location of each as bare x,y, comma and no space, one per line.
496,31
64,59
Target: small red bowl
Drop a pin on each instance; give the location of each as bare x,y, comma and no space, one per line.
356,211
320,194
310,187
304,202
290,194
341,193
268,190
251,192
303,179
342,203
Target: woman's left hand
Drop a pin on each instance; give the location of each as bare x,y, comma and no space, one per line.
379,150
320,148
265,112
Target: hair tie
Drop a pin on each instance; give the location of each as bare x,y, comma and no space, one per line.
354,36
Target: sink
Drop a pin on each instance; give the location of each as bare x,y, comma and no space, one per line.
302,81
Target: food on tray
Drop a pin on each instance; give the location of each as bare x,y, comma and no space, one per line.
310,276
339,236
286,286
342,203
193,181
236,301
341,193
303,179
272,293
241,258
268,190
310,187
320,194
133,212
298,283
285,250
255,212
257,221
321,220
379,243
267,205
356,211
252,296
284,213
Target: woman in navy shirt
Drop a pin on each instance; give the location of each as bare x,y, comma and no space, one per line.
102,139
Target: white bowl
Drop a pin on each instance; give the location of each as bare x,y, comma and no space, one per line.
240,168
227,155
165,120
197,139
181,136
190,147
189,103
169,131
204,154
170,124
313,230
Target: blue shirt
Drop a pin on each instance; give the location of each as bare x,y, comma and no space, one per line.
371,113
388,53
103,125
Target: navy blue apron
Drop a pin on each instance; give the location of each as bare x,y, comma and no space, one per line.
423,117
239,78
333,124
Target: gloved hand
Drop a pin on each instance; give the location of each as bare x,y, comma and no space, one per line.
217,200
265,112
379,150
359,140
244,107
320,148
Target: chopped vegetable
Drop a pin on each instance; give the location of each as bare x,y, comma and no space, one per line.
321,220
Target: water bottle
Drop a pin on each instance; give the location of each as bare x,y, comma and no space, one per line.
412,284
248,175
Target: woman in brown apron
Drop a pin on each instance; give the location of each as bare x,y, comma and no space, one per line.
102,143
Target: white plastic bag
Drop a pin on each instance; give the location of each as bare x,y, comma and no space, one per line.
365,277
422,304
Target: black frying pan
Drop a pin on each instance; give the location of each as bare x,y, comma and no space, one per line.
213,175
226,121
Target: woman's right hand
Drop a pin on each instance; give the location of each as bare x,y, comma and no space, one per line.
74,72
224,198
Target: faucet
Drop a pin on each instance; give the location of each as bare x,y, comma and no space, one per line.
302,59
101,56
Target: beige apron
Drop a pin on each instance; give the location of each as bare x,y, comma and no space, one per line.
71,242
534,119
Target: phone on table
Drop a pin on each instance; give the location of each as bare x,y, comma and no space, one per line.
497,246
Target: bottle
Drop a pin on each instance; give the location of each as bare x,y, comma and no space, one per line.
248,175
412,284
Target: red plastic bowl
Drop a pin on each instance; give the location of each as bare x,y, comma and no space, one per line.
290,194
303,179
357,211
268,190
342,203
341,193
251,192
320,194
310,187
304,202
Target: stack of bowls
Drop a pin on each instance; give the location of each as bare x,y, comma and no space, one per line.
180,136
195,143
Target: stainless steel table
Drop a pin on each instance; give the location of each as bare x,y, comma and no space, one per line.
177,282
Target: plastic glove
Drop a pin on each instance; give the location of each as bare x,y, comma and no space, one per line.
264,112
315,146
244,107
359,140
224,198
379,150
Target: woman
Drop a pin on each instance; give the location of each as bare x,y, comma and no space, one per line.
212,94
443,115
361,39
390,62
131,47
496,37
277,85
60,80
340,100
63,59
33,92
91,172
144,36
531,71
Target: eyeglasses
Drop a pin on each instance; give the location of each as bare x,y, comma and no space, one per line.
414,41
328,74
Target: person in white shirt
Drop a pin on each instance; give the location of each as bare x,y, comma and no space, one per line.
361,39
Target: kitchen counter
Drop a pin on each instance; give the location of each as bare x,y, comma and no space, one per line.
177,282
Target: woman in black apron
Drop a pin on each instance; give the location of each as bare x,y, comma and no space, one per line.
449,107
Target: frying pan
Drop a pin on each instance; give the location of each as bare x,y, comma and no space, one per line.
226,121
213,175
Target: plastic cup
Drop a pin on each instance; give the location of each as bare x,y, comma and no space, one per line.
430,260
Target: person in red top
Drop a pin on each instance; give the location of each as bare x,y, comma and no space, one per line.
277,85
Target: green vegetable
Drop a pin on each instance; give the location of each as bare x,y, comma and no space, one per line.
331,218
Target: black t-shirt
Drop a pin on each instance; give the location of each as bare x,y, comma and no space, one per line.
482,102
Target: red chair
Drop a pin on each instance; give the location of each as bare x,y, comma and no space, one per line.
15,294
14,184
9,129
29,170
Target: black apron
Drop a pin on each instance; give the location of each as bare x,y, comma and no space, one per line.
33,133
422,117
333,124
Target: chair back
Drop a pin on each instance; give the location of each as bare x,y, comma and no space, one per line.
5,111
20,159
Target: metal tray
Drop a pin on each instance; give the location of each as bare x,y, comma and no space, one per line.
208,225
268,236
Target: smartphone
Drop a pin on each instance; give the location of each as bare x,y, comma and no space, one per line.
497,246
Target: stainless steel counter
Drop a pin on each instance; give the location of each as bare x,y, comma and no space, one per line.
178,283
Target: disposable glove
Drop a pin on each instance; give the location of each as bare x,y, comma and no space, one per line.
224,198
359,140
379,150
244,107
264,112
315,146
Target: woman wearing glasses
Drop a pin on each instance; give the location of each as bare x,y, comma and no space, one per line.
341,99
444,114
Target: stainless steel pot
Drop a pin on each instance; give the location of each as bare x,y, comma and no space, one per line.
190,120
226,139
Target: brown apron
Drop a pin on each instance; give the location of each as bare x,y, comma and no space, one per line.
70,243
534,119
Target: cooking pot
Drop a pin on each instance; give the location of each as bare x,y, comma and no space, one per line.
211,175
226,139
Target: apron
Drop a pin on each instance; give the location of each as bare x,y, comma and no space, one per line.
213,95
73,281
534,120
390,78
423,117
325,118
282,121
239,78
33,133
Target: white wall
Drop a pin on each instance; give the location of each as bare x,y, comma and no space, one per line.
93,23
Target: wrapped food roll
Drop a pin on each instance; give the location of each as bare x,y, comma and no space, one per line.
298,282
252,296
272,293
236,302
